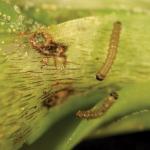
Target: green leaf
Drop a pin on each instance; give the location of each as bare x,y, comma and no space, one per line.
13,19
23,82
129,114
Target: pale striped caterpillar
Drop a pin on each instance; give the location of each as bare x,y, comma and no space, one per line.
92,114
112,51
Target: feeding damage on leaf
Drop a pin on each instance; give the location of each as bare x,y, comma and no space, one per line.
45,45
51,99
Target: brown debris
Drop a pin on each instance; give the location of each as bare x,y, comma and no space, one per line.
56,98
45,45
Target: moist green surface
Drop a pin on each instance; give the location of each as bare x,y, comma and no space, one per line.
23,118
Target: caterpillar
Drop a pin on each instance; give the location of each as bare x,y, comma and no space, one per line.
92,114
112,51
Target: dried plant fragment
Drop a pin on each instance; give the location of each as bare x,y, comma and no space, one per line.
45,45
